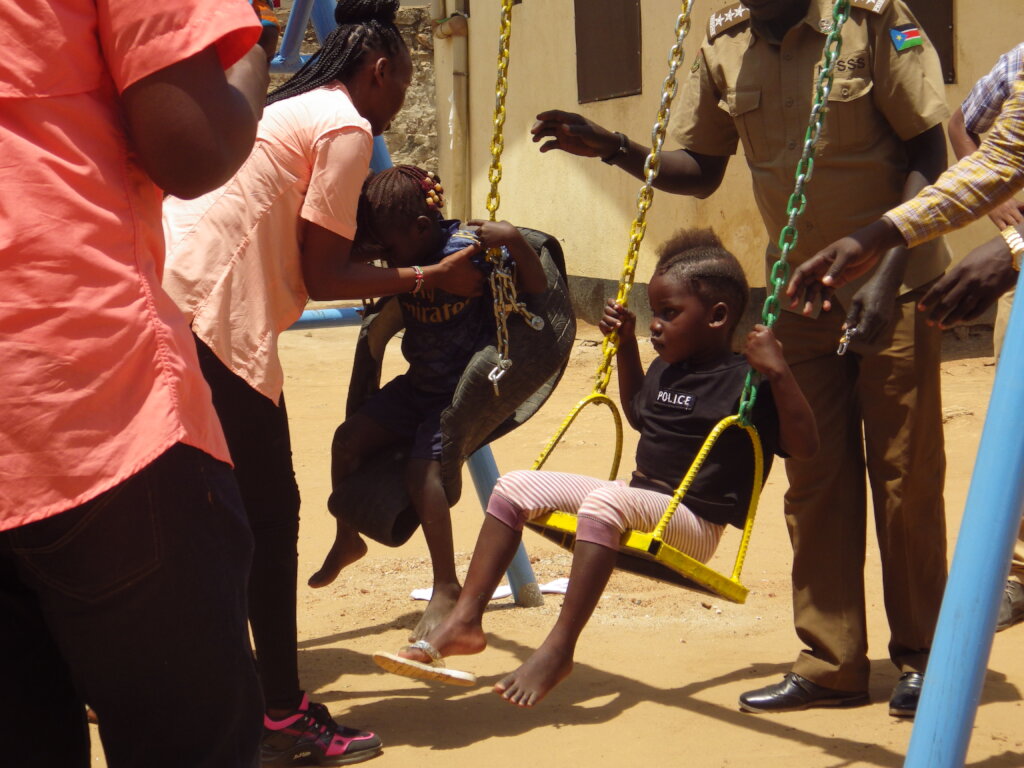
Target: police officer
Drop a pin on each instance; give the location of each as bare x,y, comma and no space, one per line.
878,407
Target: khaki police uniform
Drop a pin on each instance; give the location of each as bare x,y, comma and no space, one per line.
877,409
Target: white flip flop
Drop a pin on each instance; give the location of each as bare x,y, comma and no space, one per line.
435,670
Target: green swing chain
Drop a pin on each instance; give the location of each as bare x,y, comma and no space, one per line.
798,200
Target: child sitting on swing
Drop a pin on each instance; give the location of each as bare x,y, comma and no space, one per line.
697,296
399,220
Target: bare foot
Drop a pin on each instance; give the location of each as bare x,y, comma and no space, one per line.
347,548
441,604
545,669
450,638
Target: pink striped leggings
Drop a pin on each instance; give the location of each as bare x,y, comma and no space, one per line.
605,508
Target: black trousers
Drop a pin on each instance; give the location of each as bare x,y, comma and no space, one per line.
134,603
260,445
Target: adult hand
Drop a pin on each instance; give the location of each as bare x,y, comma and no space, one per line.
972,286
617,318
459,275
872,308
839,263
574,134
1008,214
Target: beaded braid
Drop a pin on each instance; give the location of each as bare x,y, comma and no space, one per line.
396,196
363,25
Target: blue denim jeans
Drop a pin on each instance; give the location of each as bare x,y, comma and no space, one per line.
134,603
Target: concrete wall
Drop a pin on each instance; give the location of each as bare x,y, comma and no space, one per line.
589,206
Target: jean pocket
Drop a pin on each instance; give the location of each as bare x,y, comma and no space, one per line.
98,549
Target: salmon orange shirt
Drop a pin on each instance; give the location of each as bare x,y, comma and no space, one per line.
234,255
98,371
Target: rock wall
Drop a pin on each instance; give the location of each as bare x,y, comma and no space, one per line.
413,135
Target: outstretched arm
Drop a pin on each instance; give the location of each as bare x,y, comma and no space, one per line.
330,271
682,172
798,431
967,191
627,358
872,308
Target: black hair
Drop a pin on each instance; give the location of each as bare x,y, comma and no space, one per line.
393,198
363,25
697,258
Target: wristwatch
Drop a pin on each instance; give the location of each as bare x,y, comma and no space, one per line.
1015,243
618,151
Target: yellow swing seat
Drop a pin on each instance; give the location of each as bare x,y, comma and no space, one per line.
646,553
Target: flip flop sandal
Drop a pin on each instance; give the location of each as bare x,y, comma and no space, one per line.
435,670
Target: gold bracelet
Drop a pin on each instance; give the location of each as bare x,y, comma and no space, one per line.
1015,243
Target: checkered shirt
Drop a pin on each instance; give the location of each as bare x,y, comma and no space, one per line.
975,185
982,105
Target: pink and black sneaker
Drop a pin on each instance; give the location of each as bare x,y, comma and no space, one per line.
310,734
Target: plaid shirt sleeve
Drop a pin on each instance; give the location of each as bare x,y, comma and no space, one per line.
975,185
982,105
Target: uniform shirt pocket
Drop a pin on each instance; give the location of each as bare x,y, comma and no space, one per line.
853,123
744,106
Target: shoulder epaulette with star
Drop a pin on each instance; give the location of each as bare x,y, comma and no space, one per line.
727,18
875,6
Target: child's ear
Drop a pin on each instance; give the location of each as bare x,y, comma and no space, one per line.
423,225
719,316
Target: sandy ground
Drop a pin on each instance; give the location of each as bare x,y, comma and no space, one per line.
658,669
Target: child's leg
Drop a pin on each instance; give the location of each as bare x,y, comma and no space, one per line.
603,516
592,565
358,437
517,497
428,498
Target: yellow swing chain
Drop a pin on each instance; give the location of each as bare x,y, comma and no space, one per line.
652,166
502,276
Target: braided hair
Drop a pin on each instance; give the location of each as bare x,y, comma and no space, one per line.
394,198
697,258
363,25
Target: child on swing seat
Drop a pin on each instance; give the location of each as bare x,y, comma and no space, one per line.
399,220
697,296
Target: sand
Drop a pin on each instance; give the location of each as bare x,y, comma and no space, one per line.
658,669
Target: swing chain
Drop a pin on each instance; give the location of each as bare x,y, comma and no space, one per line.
502,275
652,166
798,199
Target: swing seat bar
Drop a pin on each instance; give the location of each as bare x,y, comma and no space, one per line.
647,554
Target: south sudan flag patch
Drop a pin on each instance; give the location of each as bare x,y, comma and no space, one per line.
906,36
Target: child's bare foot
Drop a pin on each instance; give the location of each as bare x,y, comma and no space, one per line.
347,548
442,601
450,638
545,669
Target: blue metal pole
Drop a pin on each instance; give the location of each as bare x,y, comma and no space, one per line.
484,471
323,19
326,318
288,58
963,637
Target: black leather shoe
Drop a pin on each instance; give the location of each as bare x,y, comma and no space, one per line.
905,695
794,693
